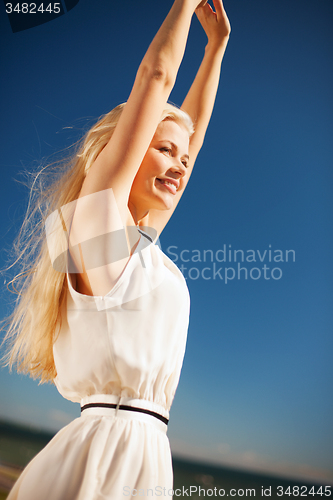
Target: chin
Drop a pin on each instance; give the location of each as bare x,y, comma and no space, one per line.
166,204
161,206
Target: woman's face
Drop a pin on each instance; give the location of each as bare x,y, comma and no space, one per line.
162,172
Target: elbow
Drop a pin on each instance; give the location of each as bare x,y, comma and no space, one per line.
158,72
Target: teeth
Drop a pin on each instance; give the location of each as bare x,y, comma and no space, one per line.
168,183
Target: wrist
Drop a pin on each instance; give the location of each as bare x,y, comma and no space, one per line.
217,47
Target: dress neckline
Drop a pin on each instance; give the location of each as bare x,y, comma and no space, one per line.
143,233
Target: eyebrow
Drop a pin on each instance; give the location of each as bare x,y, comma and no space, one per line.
175,147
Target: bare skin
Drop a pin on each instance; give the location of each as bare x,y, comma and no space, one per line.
139,169
163,172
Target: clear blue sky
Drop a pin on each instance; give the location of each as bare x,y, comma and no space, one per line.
256,386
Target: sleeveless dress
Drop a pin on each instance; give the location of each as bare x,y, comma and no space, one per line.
113,353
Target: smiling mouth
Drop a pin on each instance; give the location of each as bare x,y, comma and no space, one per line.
168,185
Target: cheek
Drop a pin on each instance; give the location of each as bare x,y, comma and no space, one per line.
153,165
183,181
157,166
144,176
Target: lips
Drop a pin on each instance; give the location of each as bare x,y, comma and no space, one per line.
171,184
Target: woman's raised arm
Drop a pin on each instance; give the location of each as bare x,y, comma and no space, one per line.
100,211
200,99
119,161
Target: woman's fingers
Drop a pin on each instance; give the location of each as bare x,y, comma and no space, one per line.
215,23
202,12
221,13
218,6
206,16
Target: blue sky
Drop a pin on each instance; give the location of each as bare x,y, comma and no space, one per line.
256,386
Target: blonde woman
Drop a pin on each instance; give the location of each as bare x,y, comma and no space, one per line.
107,320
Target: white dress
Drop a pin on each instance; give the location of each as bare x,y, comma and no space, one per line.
123,349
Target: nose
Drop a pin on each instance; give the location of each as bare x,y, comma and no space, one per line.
180,168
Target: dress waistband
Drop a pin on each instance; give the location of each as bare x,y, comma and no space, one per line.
128,408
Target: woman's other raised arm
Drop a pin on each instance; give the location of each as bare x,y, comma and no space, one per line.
200,99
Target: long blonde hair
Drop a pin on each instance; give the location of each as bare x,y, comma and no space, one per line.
33,326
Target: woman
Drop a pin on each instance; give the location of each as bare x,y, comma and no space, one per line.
108,324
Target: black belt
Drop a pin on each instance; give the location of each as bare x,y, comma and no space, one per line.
125,407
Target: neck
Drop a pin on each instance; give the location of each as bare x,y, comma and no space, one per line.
139,216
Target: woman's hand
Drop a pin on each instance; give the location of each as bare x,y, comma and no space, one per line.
195,4
216,24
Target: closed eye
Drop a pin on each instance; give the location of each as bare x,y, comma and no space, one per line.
168,150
